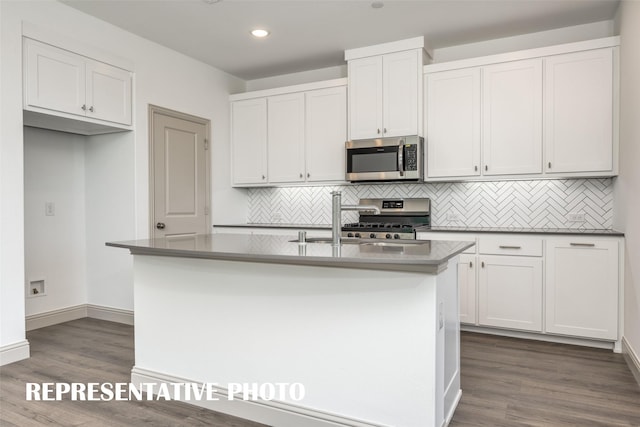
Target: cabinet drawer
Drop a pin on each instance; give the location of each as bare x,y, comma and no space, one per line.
511,245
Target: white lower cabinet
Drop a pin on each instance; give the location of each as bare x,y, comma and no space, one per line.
467,270
510,292
545,284
582,287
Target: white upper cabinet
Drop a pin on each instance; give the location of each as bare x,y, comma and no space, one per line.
385,90
400,93
58,81
249,141
512,118
453,123
286,131
325,134
365,97
547,112
108,93
578,112
54,78
289,135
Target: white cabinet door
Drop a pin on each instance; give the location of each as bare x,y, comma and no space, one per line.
512,118
54,78
582,288
326,133
108,94
365,97
510,292
578,112
467,288
400,91
453,123
249,141
285,124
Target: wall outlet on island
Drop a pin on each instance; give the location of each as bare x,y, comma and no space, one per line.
576,217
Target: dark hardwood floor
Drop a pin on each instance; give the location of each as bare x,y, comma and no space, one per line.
505,382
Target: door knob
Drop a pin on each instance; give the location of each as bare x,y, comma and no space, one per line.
160,226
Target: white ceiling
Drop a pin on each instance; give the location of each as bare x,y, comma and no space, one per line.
311,34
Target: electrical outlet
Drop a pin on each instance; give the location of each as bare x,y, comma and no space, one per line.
453,216
50,209
576,217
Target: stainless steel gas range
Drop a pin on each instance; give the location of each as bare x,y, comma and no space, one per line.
398,219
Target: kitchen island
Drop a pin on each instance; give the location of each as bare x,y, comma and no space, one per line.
368,328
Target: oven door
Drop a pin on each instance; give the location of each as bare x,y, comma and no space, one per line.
383,159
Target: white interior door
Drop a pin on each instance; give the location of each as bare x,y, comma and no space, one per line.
179,175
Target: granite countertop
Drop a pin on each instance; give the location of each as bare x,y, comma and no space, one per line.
462,229
429,257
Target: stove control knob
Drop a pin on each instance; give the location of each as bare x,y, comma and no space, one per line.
349,234
396,236
358,235
388,236
372,235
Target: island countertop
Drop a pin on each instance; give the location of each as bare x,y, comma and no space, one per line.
422,256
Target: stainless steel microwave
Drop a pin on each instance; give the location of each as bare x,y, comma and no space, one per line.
385,159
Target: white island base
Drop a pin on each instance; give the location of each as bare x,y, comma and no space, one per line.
372,348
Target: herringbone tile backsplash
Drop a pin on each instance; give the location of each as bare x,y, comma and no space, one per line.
538,204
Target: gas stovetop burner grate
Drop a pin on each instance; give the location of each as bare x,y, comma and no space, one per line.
398,219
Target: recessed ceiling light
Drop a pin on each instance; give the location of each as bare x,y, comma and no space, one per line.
260,33
377,5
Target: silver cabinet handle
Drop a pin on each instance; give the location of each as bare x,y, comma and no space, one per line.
549,165
475,168
482,264
308,175
470,264
262,176
378,131
91,108
588,245
509,247
401,157
160,226
486,167
84,107
301,175
384,130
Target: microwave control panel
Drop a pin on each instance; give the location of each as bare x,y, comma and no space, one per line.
411,157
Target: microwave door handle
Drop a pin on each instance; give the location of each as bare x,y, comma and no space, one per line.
401,158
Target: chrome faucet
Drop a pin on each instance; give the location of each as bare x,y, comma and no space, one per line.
336,214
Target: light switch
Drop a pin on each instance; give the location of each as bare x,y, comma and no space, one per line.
50,209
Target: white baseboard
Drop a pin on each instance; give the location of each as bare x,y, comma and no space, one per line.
631,356
110,313
14,352
609,345
54,317
272,413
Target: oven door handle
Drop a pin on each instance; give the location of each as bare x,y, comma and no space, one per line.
401,157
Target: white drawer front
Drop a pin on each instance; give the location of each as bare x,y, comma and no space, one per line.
510,245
